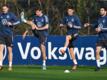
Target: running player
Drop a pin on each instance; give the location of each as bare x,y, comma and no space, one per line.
7,21
73,25
39,26
101,28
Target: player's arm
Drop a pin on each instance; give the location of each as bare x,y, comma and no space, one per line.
31,23
43,28
87,25
14,20
77,24
94,25
63,22
104,29
101,28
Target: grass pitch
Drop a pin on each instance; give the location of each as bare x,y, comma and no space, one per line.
52,73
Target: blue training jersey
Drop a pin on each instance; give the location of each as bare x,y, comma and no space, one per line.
41,21
7,17
102,23
74,21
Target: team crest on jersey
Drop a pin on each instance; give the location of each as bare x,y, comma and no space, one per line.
67,20
42,20
7,16
72,19
36,20
104,21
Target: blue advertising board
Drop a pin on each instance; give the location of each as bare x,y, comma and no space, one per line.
27,52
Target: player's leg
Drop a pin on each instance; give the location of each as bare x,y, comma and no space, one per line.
73,58
72,54
68,38
98,50
24,34
43,50
2,45
29,22
43,39
10,58
1,55
10,54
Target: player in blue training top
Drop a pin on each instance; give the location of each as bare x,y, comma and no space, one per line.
73,25
39,24
7,21
101,28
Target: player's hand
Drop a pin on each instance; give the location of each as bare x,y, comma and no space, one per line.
70,24
98,29
36,28
61,25
33,27
9,24
86,24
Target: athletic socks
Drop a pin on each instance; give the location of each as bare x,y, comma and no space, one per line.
44,62
1,64
44,65
98,63
10,64
23,18
75,61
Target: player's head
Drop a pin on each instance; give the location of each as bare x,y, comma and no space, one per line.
5,8
70,10
38,11
103,11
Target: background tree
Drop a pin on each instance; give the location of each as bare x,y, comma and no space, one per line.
87,10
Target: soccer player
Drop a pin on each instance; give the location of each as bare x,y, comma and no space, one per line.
101,28
39,24
7,21
73,25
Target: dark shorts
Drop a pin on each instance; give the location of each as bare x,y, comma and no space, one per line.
41,35
73,38
102,43
6,40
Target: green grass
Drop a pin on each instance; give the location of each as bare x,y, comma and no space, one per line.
53,73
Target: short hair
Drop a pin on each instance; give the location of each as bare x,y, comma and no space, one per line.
6,5
105,8
38,8
70,7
